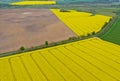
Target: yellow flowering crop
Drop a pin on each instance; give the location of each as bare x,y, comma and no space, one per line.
81,23
33,3
87,60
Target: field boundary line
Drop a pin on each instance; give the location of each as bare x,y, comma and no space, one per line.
79,65
42,72
93,64
99,59
66,66
53,67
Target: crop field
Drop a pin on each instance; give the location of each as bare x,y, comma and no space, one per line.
86,60
30,27
113,34
55,1
60,42
33,3
33,24
82,23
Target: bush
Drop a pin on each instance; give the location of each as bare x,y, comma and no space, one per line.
22,48
46,43
72,38
93,33
64,10
88,34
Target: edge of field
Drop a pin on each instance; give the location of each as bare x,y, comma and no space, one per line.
112,35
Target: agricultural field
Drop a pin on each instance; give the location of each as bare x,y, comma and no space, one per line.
82,23
60,42
58,1
21,3
30,27
28,2
86,60
113,35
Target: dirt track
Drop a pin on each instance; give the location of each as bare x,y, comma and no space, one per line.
30,27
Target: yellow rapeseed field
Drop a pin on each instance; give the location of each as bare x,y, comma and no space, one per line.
33,3
82,23
87,60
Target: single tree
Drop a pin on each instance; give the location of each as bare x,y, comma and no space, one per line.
46,43
22,48
93,33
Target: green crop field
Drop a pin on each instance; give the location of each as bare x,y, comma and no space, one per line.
113,34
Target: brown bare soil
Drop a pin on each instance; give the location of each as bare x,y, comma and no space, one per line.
30,27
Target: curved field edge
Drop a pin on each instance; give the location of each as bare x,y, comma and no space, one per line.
65,62
113,34
81,23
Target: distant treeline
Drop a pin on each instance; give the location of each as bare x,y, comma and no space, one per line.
4,5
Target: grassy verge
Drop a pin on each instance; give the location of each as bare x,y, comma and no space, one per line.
46,45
